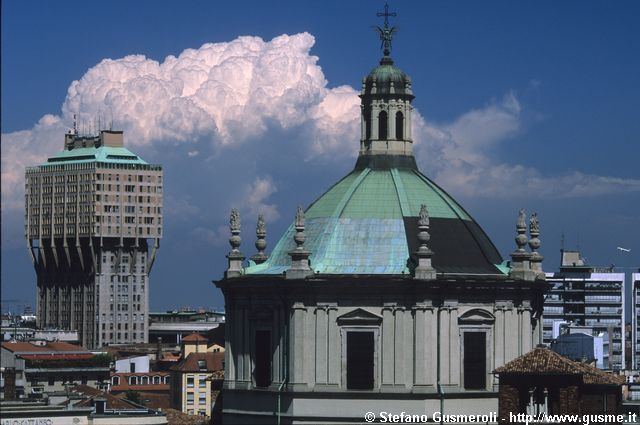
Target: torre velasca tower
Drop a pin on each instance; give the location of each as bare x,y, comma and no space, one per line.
93,222
383,295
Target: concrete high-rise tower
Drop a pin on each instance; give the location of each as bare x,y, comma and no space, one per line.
93,223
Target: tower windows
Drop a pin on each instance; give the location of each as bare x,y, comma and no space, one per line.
382,125
262,361
399,125
367,124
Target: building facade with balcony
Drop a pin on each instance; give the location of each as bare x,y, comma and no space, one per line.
196,379
588,296
635,319
32,370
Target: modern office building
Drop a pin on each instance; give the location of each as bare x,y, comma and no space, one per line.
587,296
93,222
635,319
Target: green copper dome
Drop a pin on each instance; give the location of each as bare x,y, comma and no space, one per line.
367,224
385,74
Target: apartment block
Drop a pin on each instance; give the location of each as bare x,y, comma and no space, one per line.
583,295
635,319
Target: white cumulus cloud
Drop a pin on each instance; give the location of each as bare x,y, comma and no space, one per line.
255,196
247,91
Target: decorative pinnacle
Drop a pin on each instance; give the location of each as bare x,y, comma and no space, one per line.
521,228
424,270
261,243
261,229
300,237
235,257
386,33
534,226
423,234
234,220
299,256
423,218
234,224
534,244
534,232
423,227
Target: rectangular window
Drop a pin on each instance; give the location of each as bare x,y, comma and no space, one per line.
201,382
202,398
190,381
190,398
360,353
475,360
262,370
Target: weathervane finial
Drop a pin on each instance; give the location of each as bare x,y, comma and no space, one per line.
386,33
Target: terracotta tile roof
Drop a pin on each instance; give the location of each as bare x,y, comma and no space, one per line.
171,357
213,362
56,356
22,346
149,374
140,387
176,417
153,400
543,361
194,337
27,347
65,346
217,375
113,402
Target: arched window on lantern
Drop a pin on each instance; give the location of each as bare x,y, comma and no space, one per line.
399,125
367,124
382,125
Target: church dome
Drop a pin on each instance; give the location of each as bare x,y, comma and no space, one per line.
385,74
367,223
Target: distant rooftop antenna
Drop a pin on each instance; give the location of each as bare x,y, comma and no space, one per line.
111,125
562,240
75,125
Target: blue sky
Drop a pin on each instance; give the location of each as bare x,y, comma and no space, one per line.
531,104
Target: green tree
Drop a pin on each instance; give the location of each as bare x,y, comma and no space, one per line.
133,396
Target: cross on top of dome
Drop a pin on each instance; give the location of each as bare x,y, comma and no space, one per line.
386,32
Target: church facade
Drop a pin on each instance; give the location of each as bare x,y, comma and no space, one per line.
384,295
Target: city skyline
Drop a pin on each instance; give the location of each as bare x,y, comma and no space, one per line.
527,105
